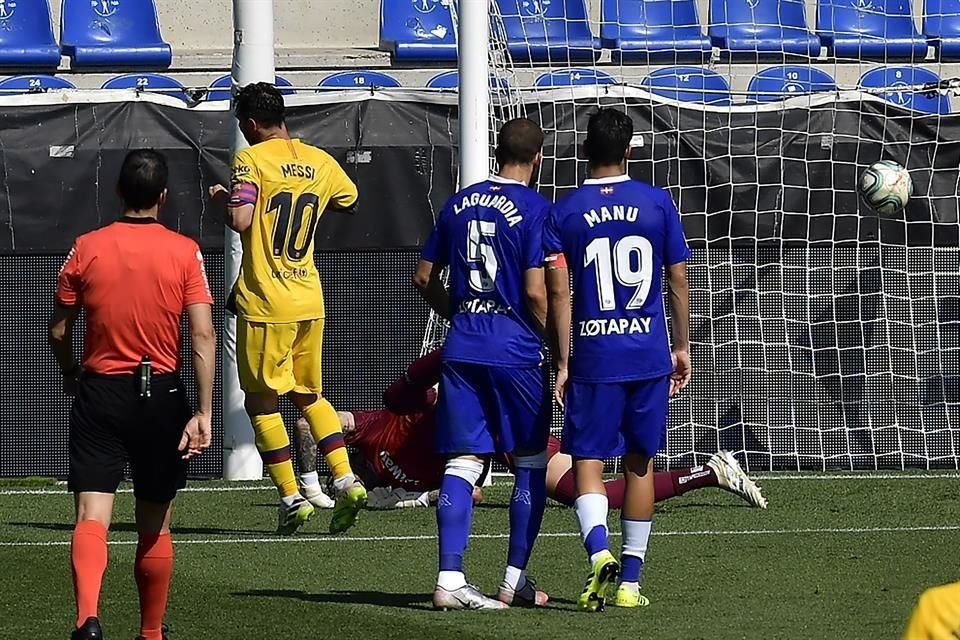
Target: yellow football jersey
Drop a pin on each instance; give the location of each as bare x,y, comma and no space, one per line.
292,184
937,616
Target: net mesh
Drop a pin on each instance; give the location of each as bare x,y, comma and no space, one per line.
822,336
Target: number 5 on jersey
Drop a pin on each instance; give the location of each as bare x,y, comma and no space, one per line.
480,252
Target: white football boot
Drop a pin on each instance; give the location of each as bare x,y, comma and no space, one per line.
466,597
734,479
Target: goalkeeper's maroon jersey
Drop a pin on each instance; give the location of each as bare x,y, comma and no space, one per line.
397,442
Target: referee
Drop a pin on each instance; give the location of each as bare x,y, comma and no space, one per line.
134,279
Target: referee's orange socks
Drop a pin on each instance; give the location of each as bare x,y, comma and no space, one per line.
88,555
273,443
152,569
325,427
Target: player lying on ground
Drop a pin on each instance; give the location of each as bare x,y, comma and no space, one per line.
279,189
393,454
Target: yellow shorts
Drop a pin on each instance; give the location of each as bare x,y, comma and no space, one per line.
280,357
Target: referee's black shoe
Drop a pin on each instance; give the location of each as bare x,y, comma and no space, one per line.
89,631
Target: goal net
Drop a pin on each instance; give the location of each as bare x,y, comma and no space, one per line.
823,335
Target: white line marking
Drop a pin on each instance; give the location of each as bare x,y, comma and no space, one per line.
855,476
502,536
60,489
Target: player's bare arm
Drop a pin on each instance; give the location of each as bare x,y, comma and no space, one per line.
60,337
558,318
203,339
238,217
680,326
427,281
535,286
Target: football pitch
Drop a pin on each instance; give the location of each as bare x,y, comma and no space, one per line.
835,556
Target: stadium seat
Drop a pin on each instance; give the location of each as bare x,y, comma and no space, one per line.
548,30
762,28
941,24
418,30
894,77
113,33
26,36
869,29
777,83
152,82
33,84
359,80
451,80
653,31
689,84
568,77
220,88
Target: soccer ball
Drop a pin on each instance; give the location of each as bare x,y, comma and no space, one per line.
885,186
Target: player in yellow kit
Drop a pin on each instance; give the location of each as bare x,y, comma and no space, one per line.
937,615
279,189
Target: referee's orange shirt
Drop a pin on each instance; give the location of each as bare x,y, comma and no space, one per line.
134,278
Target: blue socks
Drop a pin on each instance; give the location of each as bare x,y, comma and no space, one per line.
526,513
454,513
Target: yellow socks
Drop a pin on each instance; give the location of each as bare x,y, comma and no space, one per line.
273,443
325,427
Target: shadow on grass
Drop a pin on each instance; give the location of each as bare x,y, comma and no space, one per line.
415,601
130,527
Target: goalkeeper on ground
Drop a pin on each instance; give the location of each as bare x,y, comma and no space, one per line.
279,189
393,454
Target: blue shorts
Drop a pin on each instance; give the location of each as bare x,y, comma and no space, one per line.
609,419
485,409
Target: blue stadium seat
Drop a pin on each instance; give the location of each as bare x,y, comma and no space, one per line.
113,33
653,31
568,77
777,83
32,84
147,82
894,77
870,29
26,35
762,28
451,80
418,30
941,24
220,88
689,84
359,80
548,30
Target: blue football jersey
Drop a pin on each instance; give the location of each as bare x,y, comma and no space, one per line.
617,235
490,234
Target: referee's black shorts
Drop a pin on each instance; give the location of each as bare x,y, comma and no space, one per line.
110,424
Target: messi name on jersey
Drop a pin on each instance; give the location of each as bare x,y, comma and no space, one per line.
501,203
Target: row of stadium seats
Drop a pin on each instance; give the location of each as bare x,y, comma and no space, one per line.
652,31
687,84
93,33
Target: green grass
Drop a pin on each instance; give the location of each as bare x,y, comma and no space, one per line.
846,559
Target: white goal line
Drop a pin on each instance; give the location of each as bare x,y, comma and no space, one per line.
60,489
503,536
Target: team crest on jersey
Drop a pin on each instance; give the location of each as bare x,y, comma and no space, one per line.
606,191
